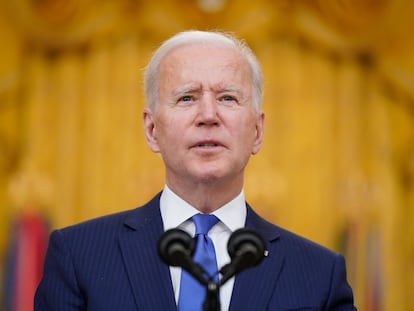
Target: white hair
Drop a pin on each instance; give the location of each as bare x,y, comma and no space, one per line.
151,76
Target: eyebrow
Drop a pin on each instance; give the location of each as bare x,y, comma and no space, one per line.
191,88
186,89
230,89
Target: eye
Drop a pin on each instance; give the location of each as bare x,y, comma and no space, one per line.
228,98
186,98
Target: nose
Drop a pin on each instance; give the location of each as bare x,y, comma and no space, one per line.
207,112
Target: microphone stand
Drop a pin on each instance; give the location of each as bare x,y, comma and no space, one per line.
212,301
245,248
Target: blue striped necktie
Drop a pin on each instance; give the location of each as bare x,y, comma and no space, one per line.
192,293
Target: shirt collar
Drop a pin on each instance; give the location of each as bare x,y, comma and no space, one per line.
175,211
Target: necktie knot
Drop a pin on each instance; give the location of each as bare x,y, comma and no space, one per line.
204,222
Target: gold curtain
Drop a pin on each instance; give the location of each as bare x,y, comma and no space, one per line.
338,158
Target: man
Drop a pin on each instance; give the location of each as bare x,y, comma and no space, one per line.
203,116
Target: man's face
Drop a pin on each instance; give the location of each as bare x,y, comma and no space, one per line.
205,125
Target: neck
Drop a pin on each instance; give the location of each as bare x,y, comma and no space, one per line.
207,197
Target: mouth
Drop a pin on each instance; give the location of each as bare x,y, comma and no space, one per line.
207,144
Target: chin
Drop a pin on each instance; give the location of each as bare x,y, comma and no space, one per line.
212,172
212,177
208,176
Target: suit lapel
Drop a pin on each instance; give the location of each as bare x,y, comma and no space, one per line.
254,287
149,277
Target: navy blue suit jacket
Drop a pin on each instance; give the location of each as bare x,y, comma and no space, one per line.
111,263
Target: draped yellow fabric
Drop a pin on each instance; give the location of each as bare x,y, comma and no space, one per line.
337,163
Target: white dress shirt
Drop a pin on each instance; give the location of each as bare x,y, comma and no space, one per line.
175,213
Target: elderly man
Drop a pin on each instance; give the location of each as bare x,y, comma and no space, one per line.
204,117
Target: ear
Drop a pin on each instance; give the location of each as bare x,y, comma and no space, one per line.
258,140
150,130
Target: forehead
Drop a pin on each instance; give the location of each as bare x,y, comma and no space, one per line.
204,61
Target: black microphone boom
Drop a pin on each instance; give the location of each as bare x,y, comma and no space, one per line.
175,248
246,249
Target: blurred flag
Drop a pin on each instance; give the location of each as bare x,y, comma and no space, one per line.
373,268
24,261
362,249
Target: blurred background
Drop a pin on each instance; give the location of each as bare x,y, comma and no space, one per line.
337,163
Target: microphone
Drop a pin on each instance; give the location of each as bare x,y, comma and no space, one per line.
176,248
246,249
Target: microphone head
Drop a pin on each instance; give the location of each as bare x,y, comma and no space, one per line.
175,247
246,245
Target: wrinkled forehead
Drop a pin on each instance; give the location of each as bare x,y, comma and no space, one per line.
204,61
218,56
200,69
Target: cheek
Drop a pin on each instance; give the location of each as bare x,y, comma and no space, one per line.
248,138
248,130
170,133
